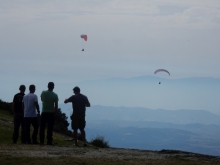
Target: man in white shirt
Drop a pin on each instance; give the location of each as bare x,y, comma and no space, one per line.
30,105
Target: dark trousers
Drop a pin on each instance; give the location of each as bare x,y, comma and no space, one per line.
46,119
18,122
28,122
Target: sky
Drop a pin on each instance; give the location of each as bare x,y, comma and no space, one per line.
40,41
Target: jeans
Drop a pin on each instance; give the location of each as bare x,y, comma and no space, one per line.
28,122
18,122
46,119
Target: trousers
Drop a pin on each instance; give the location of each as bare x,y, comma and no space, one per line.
18,122
28,121
46,119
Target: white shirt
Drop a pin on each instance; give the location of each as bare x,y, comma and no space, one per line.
29,105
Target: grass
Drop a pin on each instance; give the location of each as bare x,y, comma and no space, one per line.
8,160
5,115
6,129
99,141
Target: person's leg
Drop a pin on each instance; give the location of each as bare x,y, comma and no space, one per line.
82,124
74,125
75,137
27,129
16,129
23,131
43,122
83,134
50,128
34,122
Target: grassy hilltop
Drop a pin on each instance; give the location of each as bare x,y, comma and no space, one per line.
63,152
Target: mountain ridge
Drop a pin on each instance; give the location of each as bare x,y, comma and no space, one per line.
181,116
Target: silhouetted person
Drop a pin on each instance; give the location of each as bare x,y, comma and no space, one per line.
50,105
18,115
30,105
79,103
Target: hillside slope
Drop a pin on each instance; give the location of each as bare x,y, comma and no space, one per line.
64,152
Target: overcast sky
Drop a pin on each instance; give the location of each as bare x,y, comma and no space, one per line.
40,40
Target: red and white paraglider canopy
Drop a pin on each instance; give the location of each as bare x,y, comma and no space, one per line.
84,36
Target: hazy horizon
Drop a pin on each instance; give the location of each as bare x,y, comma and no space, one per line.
40,42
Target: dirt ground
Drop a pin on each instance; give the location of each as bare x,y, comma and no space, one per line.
91,152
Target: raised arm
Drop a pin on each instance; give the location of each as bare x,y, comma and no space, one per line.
66,101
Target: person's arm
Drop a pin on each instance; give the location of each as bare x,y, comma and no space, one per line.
66,101
23,107
56,106
41,96
87,102
37,107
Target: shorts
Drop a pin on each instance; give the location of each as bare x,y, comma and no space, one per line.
78,123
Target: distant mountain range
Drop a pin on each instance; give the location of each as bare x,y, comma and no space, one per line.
198,138
136,114
142,128
182,114
197,93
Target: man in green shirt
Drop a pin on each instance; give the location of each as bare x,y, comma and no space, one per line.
50,105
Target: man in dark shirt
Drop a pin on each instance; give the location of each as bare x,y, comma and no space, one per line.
79,103
18,115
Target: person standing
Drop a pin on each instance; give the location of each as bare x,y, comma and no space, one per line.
79,104
30,105
18,115
50,105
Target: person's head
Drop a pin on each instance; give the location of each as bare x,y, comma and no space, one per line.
22,88
50,86
32,88
76,89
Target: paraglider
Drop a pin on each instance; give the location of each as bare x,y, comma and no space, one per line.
161,70
84,37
